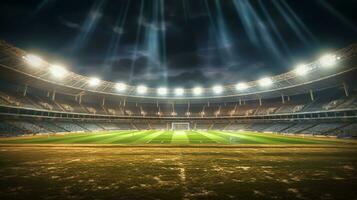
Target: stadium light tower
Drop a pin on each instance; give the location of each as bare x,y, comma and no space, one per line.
33,60
197,91
141,89
120,87
94,81
161,91
265,82
217,89
179,91
302,69
328,60
241,86
58,71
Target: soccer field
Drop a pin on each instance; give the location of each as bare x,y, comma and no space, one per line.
156,164
170,137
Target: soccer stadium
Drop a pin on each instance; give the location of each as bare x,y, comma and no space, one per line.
66,133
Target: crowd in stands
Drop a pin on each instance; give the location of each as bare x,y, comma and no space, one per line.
243,108
19,127
38,103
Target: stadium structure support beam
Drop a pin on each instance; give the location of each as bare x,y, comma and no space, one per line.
25,90
260,101
282,99
312,95
345,88
103,101
53,97
240,101
80,99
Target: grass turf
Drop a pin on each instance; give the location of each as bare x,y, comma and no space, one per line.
195,164
64,171
169,137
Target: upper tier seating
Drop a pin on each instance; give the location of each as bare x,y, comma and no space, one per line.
28,127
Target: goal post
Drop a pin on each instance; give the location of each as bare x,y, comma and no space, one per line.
179,126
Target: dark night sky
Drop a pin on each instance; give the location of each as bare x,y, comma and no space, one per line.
179,42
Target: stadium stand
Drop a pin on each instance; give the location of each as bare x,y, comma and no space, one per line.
70,127
324,102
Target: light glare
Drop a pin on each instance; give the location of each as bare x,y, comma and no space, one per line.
328,60
241,86
94,81
302,70
58,71
265,82
217,89
33,60
141,89
197,90
120,87
179,91
162,91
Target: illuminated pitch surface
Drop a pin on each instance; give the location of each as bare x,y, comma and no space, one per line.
169,137
287,168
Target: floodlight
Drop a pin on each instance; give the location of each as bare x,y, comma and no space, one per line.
302,69
33,60
58,71
121,87
265,82
328,60
241,86
141,89
161,91
173,114
217,89
179,91
94,81
188,113
197,90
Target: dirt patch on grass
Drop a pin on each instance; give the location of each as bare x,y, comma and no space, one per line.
84,172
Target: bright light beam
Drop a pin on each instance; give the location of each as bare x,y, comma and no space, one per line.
141,89
265,82
94,81
33,60
179,91
121,87
162,91
58,71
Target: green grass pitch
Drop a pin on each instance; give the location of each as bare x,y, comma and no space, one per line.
169,137
189,165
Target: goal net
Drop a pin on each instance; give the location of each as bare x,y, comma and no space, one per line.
180,126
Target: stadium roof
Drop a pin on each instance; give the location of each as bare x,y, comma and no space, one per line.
18,65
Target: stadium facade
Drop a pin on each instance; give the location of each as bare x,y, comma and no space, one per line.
39,97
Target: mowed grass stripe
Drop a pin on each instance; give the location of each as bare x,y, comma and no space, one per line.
132,138
53,139
119,137
180,137
245,139
98,138
214,137
283,139
310,138
196,137
147,138
163,138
